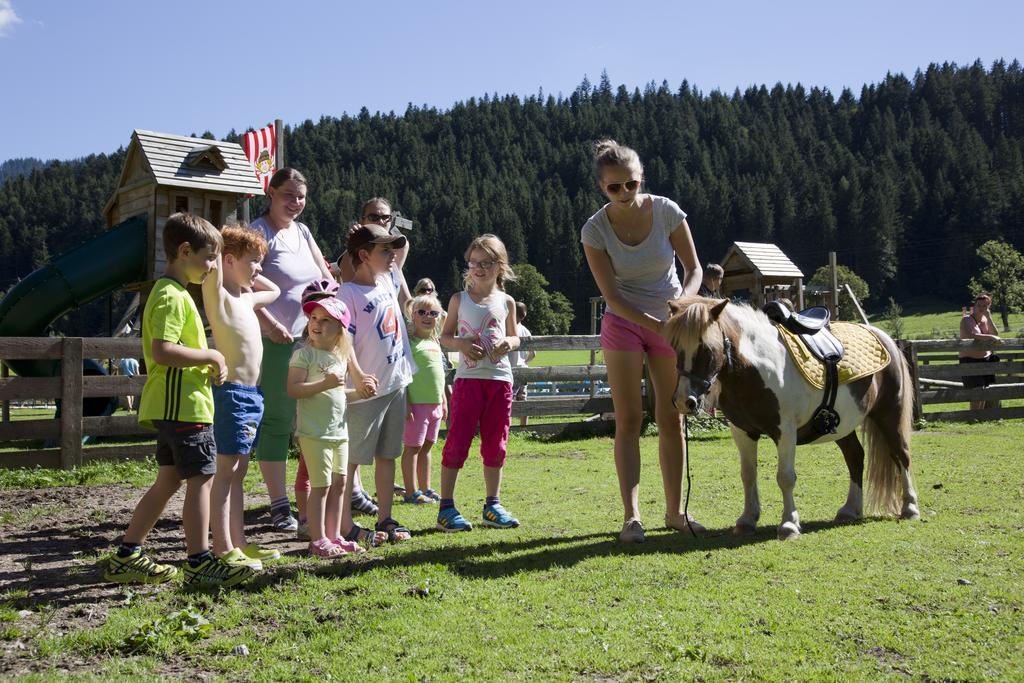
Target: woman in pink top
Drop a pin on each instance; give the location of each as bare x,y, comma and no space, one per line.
631,246
978,325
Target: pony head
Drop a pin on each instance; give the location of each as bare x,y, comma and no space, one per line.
701,336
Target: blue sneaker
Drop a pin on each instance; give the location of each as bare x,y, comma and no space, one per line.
496,516
451,520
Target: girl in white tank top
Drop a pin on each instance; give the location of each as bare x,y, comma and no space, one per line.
481,325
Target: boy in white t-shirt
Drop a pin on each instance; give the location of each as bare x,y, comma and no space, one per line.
521,359
376,425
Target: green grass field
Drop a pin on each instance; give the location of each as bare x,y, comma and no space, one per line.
560,599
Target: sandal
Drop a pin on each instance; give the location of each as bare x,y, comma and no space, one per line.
358,534
395,531
325,548
363,504
349,546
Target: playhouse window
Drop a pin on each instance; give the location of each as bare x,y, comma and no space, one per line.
180,204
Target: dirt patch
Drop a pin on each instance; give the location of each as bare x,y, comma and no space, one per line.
51,541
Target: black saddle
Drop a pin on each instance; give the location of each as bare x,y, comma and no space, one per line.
811,325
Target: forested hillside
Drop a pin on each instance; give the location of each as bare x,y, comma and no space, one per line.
16,167
903,179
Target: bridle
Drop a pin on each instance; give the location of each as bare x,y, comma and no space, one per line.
702,382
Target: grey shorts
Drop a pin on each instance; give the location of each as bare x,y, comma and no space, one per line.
375,428
189,446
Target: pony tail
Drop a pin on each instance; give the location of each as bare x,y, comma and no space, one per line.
886,460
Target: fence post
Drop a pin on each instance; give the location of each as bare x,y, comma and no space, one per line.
593,354
910,354
5,372
71,403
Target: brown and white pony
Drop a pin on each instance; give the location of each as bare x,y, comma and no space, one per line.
761,391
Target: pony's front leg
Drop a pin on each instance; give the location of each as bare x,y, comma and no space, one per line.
786,477
747,522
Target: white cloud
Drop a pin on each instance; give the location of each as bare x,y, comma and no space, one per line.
8,17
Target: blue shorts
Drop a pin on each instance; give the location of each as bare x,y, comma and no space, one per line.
237,413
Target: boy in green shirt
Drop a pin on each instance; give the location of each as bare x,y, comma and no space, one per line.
178,403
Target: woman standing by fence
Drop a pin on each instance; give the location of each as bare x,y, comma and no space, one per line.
631,245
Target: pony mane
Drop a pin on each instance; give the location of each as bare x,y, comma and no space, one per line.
694,324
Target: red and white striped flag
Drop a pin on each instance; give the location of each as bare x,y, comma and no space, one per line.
260,146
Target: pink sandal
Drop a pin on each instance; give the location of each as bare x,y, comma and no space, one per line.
325,548
349,546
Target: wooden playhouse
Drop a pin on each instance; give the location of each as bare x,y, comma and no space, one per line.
165,174
760,268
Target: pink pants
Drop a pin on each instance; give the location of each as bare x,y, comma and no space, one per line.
487,402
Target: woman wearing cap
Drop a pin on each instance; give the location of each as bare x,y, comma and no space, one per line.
293,260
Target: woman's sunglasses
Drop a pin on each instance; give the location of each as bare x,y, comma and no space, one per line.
425,290
486,265
424,313
378,217
615,188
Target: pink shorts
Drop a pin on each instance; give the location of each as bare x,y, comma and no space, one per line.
618,334
424,425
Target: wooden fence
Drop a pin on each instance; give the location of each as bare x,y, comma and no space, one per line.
70,387
938,378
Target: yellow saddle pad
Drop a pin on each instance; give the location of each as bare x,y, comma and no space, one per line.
863,354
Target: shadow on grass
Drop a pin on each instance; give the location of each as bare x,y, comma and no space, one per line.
52,574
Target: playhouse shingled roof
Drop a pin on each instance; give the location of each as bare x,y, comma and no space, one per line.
762,257
179,161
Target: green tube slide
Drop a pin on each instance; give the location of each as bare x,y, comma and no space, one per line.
101,265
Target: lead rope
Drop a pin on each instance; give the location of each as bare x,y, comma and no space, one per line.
686,504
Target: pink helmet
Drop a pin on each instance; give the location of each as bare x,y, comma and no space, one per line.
319,289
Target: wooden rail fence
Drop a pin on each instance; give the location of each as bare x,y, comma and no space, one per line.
70,387
938,378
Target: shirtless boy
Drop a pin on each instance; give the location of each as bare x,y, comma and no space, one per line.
231,295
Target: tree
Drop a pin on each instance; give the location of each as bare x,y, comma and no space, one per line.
548,311
823,277
1001,278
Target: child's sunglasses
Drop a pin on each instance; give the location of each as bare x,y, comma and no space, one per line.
422,312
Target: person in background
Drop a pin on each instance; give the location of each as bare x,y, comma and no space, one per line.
129,367
712,282
521,359
977,324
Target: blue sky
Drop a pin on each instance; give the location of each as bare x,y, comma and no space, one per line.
79,75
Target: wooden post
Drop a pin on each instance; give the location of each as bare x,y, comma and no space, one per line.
245,211
800,294
648,392
278,143
5,372
71,403
835,284
910,355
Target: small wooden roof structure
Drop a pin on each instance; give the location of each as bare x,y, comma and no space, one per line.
756,265
192,163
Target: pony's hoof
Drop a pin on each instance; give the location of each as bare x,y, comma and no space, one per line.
910,512
788,531
744,530
846,517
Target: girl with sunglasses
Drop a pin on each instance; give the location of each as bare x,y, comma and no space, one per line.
481,326
425,397
631,246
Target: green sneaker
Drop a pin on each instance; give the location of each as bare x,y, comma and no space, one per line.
256,552
236,558
214,572
137,568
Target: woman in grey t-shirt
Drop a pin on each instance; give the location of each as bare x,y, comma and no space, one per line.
631,245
